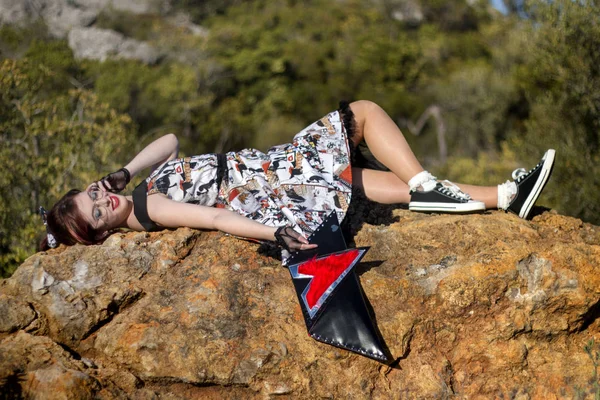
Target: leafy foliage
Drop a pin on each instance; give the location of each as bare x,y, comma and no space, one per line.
560,81
488,168
293,61
50,143
200,10
140,27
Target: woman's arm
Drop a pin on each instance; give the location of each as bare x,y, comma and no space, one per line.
156,153
172,214
161,150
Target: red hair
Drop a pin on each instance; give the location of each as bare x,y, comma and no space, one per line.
67,224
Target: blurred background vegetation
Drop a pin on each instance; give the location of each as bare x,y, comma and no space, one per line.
502,88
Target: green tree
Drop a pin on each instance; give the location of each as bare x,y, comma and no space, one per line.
560,82
166,98
49,143
285,63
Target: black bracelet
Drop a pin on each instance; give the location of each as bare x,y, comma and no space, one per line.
127,175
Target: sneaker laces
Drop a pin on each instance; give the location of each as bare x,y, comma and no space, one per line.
452,190
519,173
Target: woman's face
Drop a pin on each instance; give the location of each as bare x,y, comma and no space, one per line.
102,210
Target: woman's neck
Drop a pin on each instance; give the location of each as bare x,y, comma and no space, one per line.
131,221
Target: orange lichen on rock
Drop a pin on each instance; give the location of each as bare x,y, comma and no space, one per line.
470,306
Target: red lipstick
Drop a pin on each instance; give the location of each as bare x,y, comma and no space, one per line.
114,201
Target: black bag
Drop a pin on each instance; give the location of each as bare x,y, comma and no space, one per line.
330,294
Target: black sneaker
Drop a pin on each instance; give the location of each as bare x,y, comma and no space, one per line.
443,197
530,185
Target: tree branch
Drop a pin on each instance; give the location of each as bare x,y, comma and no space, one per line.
435,112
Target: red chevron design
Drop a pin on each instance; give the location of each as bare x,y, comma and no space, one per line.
325,271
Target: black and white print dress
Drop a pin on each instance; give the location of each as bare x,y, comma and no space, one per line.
295,184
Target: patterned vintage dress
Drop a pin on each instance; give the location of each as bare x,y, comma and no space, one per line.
295,184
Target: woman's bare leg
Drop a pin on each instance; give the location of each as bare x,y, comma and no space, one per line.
388,145
381,186
487,194
385,140
386,188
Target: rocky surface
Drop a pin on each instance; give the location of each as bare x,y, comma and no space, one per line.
101,44
63,15
477,306
408,11
74,19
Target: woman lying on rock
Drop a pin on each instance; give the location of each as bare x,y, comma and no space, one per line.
282,195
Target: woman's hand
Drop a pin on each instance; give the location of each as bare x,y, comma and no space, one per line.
115,181
291,240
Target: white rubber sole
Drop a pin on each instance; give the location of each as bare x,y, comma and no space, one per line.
446,207
539,185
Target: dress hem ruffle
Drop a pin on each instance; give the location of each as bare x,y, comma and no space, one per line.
349,126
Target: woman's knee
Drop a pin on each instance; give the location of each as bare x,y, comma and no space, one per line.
363,108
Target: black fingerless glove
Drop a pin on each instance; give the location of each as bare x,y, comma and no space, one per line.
116,181
287,238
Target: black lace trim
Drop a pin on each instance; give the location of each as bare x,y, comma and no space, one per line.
349,126
221,169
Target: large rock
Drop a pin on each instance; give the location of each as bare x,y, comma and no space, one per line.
63,15
75,20
14,12
36,367
100,44
470,306
408,11
142,6
59,15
